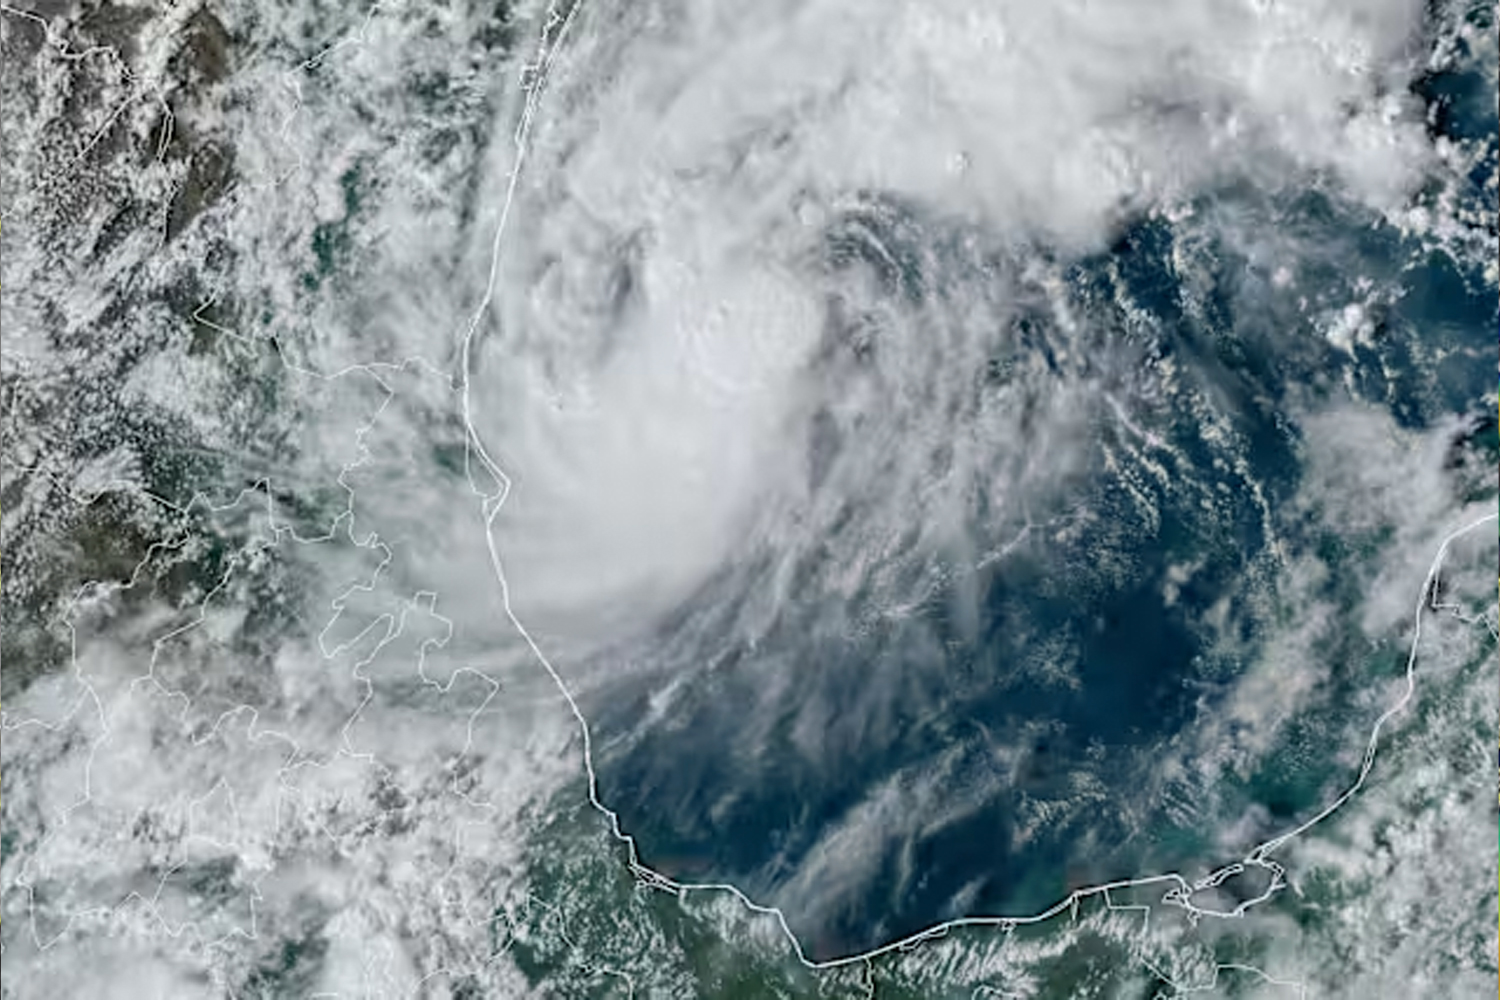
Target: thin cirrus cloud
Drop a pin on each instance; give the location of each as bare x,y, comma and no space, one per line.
661,381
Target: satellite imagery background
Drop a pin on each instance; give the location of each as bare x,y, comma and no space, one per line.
736,500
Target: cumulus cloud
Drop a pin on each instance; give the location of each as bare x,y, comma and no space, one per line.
785,341
1389,495
677,345
782,305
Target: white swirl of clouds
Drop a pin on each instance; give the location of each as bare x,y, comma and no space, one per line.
677,377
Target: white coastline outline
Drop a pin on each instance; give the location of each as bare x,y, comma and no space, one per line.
533,76
532,80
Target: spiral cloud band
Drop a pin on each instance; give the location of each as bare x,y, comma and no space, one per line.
677,331
792,375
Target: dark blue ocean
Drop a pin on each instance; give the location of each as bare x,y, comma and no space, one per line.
706,805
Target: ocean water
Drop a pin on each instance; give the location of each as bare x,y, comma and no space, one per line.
623,500
1081,659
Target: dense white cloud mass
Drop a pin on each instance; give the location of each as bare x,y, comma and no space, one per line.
846,359
785,340
680,373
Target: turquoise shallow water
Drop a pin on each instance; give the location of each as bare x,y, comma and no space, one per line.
1141,666
1275,379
